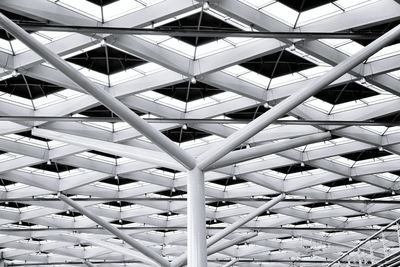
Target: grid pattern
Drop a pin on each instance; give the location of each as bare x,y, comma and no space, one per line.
170,82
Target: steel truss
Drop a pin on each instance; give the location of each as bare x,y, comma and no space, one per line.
203,164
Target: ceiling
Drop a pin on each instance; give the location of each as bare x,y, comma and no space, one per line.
169,82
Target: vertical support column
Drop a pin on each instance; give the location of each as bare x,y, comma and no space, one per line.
196,221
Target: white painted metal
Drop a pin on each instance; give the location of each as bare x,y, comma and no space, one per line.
104,97
112,229
294,100
196,220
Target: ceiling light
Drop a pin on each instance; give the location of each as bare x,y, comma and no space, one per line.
206,6
193,80
184,127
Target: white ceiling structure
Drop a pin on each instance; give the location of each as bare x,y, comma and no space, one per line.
340,179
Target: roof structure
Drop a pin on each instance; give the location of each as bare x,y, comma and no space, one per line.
335,156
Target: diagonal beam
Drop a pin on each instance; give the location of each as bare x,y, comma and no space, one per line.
218,247
101,95
120,234
140,154
181,260
294,100
113,247
263,150
231,263
88,263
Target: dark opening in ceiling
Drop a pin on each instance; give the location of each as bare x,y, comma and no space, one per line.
53,167
15,205
340,182
303,5
29,135
288,63
293,168
394,117
31,89
5,182
171,193
119,204
208,22
96,60
102,2
376,29
180,135
366,154
247,114
229,181
119,181
17,19
102,111
104,154
345,93
197,91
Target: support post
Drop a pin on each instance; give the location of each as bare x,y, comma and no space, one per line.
120,234
101,95
196,220
263,150
231,263
240,136
229,229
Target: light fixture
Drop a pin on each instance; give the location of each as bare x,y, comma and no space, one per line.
234,177
116,177
48,162
14,73
184,127
206,6
363,81
103,43
302,164
266,105
350,179
380,148
193,80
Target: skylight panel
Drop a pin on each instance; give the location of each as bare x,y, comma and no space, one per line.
255,78
385,52
180,47
318,13
281,12
5,46
257,4
81,6
351,4
120,8
286,79
213,47
350,48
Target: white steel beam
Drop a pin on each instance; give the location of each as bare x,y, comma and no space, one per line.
179,261
231,263
263,150
196,220
112,229
101,95
140,154
294,100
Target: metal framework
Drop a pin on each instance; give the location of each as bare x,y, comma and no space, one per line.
308,190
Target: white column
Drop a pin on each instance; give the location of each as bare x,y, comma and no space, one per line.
196,219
